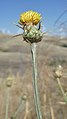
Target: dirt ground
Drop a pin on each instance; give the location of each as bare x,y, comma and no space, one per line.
15,61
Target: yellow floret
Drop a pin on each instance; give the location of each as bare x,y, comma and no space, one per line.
30,16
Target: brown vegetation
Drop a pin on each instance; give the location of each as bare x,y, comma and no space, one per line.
15,59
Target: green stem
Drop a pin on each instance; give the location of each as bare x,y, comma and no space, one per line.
7,102
36,94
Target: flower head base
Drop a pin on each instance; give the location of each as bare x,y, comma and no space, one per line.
59,71
30,17
32,35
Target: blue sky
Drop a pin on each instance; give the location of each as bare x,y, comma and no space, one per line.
10,11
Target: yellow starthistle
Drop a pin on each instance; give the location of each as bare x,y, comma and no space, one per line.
9,81
30,17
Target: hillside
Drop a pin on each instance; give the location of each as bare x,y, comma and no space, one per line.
15,58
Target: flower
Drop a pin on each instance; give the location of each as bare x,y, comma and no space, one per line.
29,20
30,17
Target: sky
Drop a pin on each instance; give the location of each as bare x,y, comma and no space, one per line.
10,11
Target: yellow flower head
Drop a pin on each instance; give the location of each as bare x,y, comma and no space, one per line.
30,17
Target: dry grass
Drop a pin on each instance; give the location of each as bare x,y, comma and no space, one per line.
17,60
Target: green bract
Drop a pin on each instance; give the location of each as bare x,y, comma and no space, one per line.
32,35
